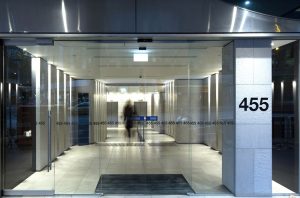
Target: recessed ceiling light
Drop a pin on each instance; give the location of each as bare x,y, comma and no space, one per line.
140,57
123,90
247,3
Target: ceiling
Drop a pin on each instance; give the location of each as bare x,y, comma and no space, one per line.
113,62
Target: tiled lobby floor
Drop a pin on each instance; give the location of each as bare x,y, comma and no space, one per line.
119,135
79,169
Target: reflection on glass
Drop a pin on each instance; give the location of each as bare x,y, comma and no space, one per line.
176,106
285,116
18,142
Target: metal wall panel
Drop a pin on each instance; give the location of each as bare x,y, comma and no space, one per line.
63,16
135,16
205,16
2,114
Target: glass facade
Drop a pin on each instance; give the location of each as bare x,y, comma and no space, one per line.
85,117
66,118
18,146
126,97
285,120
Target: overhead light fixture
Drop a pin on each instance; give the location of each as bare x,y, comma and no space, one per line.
140,57
123,90
247,3
25,49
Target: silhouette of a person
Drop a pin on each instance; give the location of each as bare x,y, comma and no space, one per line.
128,113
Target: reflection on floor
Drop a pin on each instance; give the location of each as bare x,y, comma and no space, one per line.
120,135
280,189
79,169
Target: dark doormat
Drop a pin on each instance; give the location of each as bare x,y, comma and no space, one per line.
149,184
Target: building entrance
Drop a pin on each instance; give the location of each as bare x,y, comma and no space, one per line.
77,139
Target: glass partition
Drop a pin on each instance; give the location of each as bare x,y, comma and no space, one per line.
27,162
115,117
285,129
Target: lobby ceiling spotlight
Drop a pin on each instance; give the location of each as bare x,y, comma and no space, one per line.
123,90
247,3
141,55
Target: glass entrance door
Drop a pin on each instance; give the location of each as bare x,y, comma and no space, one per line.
83,98
28,166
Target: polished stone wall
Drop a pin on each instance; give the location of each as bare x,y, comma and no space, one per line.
247,74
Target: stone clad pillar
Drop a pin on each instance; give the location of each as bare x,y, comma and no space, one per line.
247,101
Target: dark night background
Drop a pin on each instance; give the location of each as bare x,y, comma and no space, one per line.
283,8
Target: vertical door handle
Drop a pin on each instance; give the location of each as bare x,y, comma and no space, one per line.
49,140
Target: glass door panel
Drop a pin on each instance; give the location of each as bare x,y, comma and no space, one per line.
27,139
173,89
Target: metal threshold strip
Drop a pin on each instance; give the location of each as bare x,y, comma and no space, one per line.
28,192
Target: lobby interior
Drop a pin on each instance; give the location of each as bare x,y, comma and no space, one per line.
78,90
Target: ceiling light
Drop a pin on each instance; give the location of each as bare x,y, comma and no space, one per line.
25,49
123,90
247,3
140,57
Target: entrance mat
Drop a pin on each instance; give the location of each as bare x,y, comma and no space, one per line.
149,184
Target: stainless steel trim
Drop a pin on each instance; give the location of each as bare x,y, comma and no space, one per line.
126,16
156,37
7,192
49,167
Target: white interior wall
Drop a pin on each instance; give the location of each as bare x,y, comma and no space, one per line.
99,111
52,106
219,109
188,108
122,98
158,110
170,101
212,133
60,113
67,107
40,87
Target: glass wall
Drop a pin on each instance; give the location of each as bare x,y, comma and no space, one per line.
71,107
285,68
26,133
